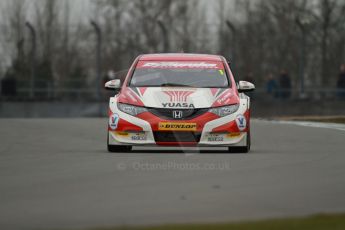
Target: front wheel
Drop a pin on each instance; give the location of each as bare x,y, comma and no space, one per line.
241,149
118,148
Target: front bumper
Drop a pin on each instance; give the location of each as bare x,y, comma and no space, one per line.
210,139
210,131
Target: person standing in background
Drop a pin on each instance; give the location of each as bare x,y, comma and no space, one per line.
9,84
341,82
285,85
271,86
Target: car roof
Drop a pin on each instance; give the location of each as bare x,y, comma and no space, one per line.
180,57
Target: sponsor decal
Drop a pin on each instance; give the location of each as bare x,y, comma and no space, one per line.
114,121
203,65
167,126
139,137
241,122
234,135
225,98
215,139
178,99
178,96
122,134
178,105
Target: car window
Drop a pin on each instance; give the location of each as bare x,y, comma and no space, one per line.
189,74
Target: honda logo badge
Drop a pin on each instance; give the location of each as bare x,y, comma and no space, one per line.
178,114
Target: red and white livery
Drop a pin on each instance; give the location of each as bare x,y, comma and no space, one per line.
179,100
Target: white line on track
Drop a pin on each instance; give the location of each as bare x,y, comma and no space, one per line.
334,126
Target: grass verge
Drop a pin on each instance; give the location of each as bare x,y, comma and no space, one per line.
317,222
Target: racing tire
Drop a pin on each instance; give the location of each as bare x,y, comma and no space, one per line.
118,148
240,149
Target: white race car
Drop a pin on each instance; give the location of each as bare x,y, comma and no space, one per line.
179,100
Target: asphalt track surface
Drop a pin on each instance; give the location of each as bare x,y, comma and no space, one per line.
56,174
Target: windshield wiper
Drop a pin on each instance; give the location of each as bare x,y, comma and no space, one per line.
174,84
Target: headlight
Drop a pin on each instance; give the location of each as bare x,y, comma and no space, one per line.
131,109
225,111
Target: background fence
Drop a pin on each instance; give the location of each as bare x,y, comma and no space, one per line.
77,90
82,99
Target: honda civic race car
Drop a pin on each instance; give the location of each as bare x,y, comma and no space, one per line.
179,100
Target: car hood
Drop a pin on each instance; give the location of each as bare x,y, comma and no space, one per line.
178,97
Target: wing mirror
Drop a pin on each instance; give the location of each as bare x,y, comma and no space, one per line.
245,86
113,85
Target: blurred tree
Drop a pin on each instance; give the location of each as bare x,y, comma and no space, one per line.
147,26
14,15
264,36
269,38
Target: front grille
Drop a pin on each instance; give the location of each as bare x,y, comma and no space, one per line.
186,114
177,136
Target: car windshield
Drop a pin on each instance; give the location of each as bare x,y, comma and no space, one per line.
181,74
